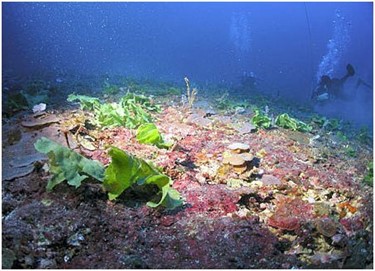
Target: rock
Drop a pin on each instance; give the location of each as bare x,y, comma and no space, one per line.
326,257
132,261
246,156
38,123
245,128
75,239
39,114
11,173
20,166
16,233
322,208
352,224
86,142
339,240
326,226
28,261
238,147
13,136
167,221
223,120
285,223
204,105
198,120
26,160
240,169
234,160
47,264
240,110
8,257
235,183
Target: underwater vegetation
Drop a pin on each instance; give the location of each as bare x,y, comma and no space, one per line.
287,122
363,136
65,164
261,120
369,178
110,89
148,133
123,172
126,171
32,93
190,94
206,182
131,111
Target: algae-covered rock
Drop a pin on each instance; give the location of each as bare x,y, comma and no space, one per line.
234,160
270,180
11,173
38,123
8,257
238,147
326,226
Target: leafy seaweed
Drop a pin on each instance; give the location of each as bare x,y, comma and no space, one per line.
33,99
111,115
350,151
364,135
318,120
131,111
68,165
261,120
110,89
340,135
285,121
86,102
223,103
173,91
126,171
15,102
333,125
148,133
369,178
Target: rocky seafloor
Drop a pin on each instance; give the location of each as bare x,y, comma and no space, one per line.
299,202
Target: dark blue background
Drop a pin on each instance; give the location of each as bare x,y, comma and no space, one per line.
285,45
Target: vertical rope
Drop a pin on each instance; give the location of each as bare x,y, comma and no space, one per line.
310,47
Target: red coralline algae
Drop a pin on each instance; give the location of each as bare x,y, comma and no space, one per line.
213,200
194,143
270,180
186,182
279,173
99,155
290,213
352,224
169,159
284,223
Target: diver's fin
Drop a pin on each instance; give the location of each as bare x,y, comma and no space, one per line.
350,70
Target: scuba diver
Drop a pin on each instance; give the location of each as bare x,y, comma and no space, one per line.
331,88
248,81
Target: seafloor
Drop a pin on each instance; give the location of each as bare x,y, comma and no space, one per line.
304,200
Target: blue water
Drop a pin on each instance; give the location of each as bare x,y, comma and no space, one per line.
285,46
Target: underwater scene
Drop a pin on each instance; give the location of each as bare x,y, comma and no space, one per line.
187,135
